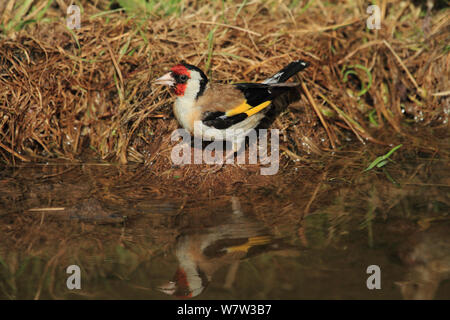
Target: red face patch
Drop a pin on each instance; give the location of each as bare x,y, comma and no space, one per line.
179,89
179,72
181,279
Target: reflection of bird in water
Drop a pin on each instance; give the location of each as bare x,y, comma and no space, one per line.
201,253
427,254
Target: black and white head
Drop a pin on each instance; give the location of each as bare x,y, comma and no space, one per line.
185,80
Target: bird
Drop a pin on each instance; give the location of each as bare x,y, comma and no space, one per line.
202,251
221,111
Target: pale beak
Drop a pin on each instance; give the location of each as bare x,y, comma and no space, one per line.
166,79
168,288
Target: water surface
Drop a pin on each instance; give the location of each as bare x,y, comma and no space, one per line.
307,234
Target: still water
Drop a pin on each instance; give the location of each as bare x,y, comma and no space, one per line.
298,236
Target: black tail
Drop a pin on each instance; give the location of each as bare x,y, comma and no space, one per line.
287,72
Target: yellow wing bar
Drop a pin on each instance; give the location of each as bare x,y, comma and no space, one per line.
254,241
258,108
244,107
239,109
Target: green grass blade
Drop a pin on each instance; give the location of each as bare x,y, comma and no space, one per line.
379,161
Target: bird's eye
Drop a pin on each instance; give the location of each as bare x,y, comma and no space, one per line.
183,78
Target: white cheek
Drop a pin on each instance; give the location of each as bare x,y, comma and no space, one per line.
184,107
192,88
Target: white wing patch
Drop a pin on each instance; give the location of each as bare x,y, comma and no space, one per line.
273,79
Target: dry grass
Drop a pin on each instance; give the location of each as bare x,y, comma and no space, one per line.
86,93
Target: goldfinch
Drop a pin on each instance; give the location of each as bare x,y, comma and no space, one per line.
201,252
216,108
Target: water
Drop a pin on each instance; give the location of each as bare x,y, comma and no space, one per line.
309,233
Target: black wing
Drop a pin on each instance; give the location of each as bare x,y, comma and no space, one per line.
258,97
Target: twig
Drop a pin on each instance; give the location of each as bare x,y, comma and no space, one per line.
404,68
47,209
319,114
14,152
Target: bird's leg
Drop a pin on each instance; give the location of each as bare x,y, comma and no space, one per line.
217,161
263,154
229,156
238,147
216,168
229,159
